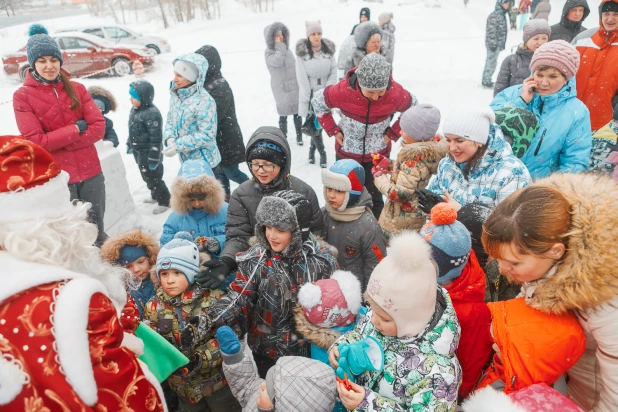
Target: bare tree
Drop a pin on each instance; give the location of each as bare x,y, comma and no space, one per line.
165,23
124,20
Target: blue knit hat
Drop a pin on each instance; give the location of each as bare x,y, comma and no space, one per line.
345,175
130,253
133,93
449,240
41,44
181,254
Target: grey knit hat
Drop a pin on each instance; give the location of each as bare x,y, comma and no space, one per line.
373,72
364,31
421,122
41,44
313,27
534,27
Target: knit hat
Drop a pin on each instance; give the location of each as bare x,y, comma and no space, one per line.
558,54
29,178
385,18
130,253
519,127
373,72
404,285
535,27
365,12
420,122
133,93
41,44
450,242
333,302
470,122
609,6
187,70
313,27
364,31
181,254
269,151
345,175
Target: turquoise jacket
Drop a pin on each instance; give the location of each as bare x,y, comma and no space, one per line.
198,223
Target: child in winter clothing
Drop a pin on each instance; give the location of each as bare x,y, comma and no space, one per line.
603,144
461,275
495,39
201,382
198,208
513,13
414,321
524,12
417,161
191,126
137,251
145,140
516,67
106,102
387,43
293,384
349,224
363,16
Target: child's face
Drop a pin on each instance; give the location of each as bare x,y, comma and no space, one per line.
278,239
528,267
135,102
173,282
197,203
264,171
407,138
180,81
334,198
382,320
140,268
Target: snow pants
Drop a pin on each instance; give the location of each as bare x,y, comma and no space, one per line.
490,66
92,191
152,178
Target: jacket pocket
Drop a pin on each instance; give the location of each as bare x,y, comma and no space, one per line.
218,230
290,85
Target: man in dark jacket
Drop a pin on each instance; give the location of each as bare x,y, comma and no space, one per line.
268,151
229,136
495,39
145,138
574,13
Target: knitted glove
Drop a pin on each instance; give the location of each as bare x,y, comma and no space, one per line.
208,244
197,328
228,341
215,273
358,357
82,125
170,149
380,165
154,157
427,200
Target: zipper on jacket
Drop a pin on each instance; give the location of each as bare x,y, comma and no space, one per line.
541,106
538,147
181,323
366,128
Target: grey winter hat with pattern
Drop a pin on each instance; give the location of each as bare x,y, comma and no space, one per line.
373,72
420,122
41,44
535,27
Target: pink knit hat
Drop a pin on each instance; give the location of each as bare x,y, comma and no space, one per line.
558,54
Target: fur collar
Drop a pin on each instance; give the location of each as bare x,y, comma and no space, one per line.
431,150
110,251
328,47
208,185
108,97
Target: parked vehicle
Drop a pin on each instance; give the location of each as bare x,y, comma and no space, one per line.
84,54
121,35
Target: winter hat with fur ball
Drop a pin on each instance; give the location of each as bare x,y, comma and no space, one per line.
373,72
181,254
558,54
535,27
404,284
420,122
470,122
41,44
333,302
345,175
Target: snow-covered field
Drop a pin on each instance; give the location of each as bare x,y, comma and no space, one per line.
439,57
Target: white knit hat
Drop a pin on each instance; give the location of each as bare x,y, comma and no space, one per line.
187,70
470,122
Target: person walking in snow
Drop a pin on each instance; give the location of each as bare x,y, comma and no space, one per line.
495,39
542,10
191,126
574,13
229,136
387,43
315,69
60,116
282,67
367,37
524,12
364,15
106,102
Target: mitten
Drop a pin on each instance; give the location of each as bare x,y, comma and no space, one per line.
154,157
196,329
427,199
215,273
228,341
208,244
358,357
380,165
82,125
170,149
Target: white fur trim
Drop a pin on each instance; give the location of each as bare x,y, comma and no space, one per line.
49,200
309,295
345,202
336,181
410,252
490,400
12,378
154,382
375,353
133,343
350,287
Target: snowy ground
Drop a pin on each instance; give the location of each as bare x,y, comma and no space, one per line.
439,57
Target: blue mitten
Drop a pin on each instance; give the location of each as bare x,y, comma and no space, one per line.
358,357
228,341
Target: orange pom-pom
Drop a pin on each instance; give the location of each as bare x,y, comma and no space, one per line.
443,214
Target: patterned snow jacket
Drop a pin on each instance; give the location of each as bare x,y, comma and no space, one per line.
497,28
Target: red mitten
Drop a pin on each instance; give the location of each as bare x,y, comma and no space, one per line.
380,165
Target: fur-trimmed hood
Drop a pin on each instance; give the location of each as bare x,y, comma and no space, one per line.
431,150
319,336
303,48
110,251
270,31
98,92
587,277
196,176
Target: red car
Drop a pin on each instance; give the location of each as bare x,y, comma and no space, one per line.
84,54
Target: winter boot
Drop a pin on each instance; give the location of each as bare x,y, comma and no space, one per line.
319,144
283,125
298,124
312,152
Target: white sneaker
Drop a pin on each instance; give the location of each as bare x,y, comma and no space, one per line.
160,209
150,200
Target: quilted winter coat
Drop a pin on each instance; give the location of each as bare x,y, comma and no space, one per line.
567,30
496,29
282,67
514,69
43,117
314,72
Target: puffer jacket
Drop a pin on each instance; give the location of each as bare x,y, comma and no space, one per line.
497,28
421,373
345,51
597,77
364,123
192,117
567,30
563,140
282,67
240,225
542,10
514,69
229,136
43,117
360,243
586,282
146,123
198,223
498,174
313,72
387,43
415,165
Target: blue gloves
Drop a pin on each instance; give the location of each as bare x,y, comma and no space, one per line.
154,158
358,357
82,125
228,341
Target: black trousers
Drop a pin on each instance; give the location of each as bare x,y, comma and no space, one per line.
92,191
376,195
152,178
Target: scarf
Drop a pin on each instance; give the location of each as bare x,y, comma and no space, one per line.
528,288
40,78
349,214
316,49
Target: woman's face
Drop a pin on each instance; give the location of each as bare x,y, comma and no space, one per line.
549,81
537,41
180,82
527,267
373,44
48,67
315,39
461,149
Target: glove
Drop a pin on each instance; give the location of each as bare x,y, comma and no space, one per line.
228,341
427,200
380,165
196,329
83,126
215,272
358,357
208,244
154,158
170,150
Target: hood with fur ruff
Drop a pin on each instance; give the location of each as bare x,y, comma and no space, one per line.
98,92
196,177
110,251
303,47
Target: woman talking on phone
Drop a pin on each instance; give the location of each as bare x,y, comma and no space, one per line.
564,138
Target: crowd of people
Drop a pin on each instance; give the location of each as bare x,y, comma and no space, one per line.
474,271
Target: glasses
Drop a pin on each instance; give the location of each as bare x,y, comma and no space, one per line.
266,168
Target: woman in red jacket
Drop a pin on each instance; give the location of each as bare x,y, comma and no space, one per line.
60,116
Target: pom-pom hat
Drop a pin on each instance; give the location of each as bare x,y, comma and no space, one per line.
41,44
345,175
180,254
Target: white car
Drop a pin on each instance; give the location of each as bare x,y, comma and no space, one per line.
118,35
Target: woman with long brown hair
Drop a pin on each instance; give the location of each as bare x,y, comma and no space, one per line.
60,116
